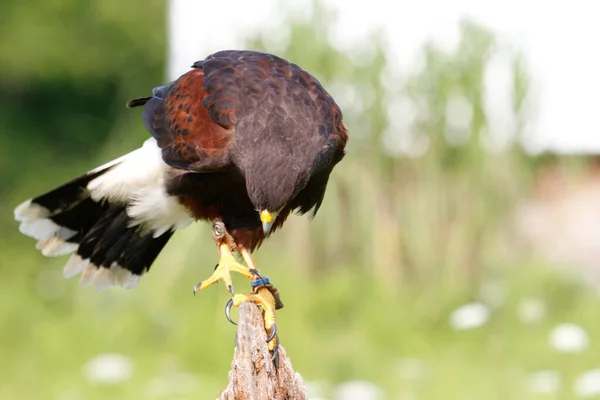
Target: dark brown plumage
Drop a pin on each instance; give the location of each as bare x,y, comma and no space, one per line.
242,139
249,131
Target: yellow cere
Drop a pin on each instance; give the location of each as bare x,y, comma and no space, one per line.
266,217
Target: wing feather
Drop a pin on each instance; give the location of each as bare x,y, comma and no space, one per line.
184,130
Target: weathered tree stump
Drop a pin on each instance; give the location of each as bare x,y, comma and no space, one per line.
253,375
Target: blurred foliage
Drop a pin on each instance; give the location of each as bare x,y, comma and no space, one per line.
66,79
432,199
416,222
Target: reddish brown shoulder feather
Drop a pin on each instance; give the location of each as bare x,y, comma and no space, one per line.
190,137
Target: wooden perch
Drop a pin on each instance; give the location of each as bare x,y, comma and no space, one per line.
253,375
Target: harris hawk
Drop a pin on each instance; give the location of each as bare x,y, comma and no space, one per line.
242,140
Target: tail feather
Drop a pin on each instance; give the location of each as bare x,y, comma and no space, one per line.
61,198
55,247
115,219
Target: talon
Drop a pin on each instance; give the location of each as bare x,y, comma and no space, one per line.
264,294
273,333
196,286
227,264
260,279
255,272
228,311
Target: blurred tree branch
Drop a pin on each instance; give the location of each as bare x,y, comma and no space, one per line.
253,375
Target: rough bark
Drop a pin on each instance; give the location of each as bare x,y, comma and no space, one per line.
253,375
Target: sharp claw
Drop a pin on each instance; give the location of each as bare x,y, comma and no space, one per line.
258,275
196,286
273,333
228,311
254,272
230,288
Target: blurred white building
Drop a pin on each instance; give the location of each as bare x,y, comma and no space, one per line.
559,40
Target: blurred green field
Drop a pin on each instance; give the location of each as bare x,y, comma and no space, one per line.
404,238
340,327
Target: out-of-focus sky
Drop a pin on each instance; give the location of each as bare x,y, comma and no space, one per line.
559,40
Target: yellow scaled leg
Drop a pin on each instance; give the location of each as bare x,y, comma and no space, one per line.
248,259
227,265
263,293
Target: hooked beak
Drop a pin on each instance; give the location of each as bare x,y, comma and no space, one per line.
267,218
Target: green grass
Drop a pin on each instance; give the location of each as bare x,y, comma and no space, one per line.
368,286
336,326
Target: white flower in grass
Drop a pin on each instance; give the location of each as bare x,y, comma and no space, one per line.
588,384
109,368
544,382
569,338
532,310
469,316
358,390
